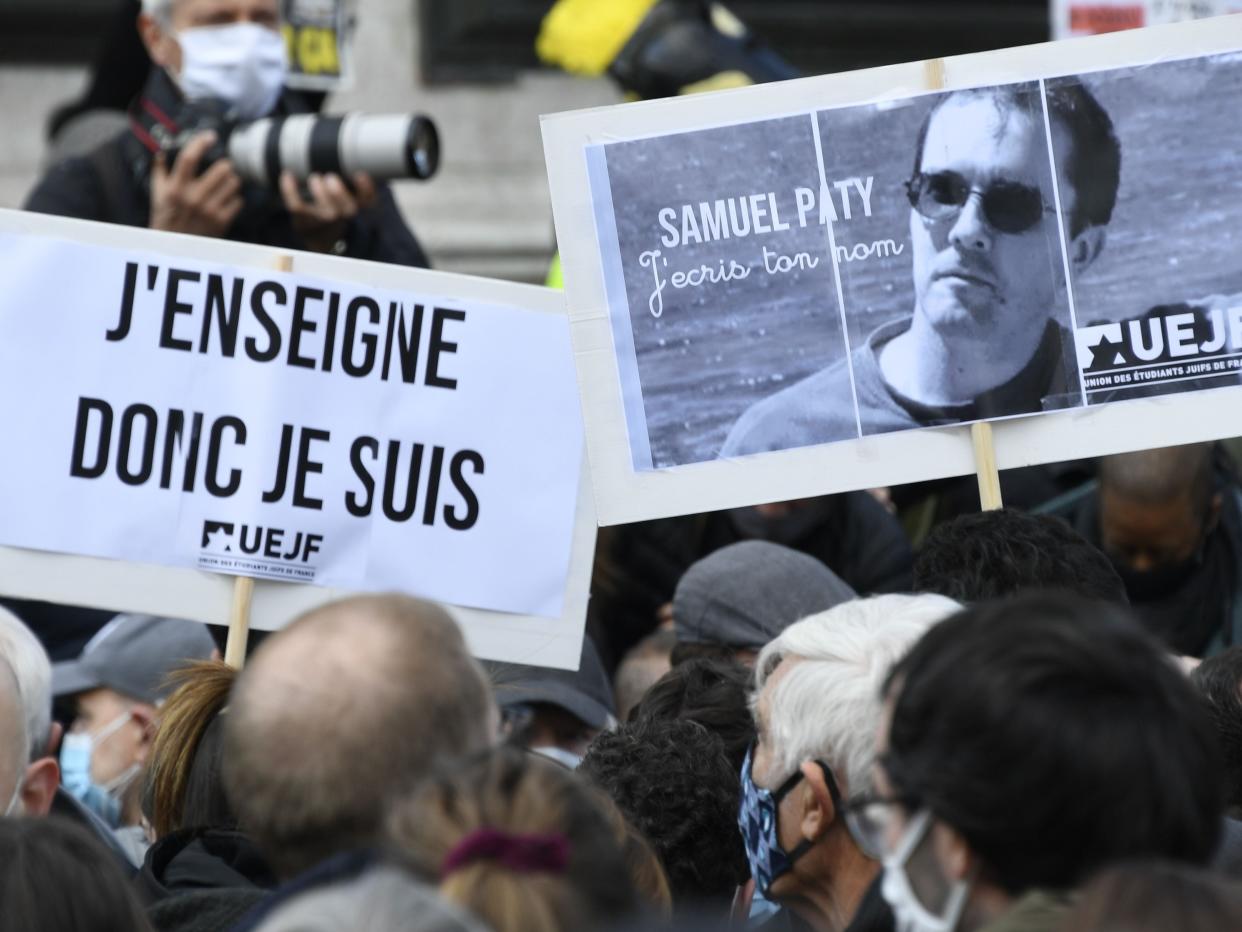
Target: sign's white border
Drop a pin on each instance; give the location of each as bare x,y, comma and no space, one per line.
207,597
623,494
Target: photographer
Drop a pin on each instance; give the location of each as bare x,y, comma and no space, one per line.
226,57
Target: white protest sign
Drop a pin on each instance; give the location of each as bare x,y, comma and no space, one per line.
775,292
356,427
1095,17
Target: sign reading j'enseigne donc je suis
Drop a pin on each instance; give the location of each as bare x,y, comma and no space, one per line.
167,410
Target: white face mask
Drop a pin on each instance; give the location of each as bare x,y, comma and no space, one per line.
242,64
910,914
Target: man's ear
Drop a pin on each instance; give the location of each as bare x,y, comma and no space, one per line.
1213,515
42,778
54,734
818,812
1086,247
159,44
956,859
147,717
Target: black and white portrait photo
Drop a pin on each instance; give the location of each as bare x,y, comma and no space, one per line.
954,282
932,260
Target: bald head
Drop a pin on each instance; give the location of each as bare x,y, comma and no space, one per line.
1161,476
1157,507
339,713
13,742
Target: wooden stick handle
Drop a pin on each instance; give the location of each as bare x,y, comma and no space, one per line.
985,466
239,622
243,586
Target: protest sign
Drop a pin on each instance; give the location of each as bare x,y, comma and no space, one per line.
1095,17
355,427
775,290
316,45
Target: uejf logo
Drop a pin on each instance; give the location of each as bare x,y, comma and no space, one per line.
258,551
217,536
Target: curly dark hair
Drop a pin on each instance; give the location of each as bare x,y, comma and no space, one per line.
995,554
1219,682
672,781
714,693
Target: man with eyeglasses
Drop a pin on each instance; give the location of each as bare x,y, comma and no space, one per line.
816,710
988,333
1025,745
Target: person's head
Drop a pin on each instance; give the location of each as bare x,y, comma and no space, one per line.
1219,682
184,788
1156,896
517,840
986,255
228,50
380,899
999,553
340,713
640,668
713,693
1157,508
14,747
672,781
55,877
30,666
741,596
555,712
1028,743
118,683
816,711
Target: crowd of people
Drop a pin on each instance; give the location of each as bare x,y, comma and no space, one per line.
1013,741
858,713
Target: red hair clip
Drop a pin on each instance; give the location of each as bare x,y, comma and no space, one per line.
523,854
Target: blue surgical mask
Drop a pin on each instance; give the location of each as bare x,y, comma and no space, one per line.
757,818
75,773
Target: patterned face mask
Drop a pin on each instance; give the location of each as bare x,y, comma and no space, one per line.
757,819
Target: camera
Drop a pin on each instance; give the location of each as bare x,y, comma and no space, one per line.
387,146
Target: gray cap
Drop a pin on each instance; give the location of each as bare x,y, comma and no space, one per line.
746,594
132,654
585,693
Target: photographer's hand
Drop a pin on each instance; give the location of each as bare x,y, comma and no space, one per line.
322,221
182,201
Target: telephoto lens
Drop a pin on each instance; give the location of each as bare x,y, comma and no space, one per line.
387,146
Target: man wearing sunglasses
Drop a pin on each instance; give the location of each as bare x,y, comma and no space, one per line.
987,336
816,711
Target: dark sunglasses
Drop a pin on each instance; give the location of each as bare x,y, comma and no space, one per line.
1008,207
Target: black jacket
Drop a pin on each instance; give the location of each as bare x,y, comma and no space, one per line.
198,880
112,184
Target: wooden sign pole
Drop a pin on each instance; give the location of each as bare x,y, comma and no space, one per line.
985,466
243,586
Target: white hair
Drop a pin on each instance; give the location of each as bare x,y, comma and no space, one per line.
30,666
827,706
160,9
14,756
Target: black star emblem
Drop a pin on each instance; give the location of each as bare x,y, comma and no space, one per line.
1104,354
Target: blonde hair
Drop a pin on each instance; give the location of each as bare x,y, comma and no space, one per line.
520,796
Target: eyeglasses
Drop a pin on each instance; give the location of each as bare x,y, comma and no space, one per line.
1008,206
869,816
